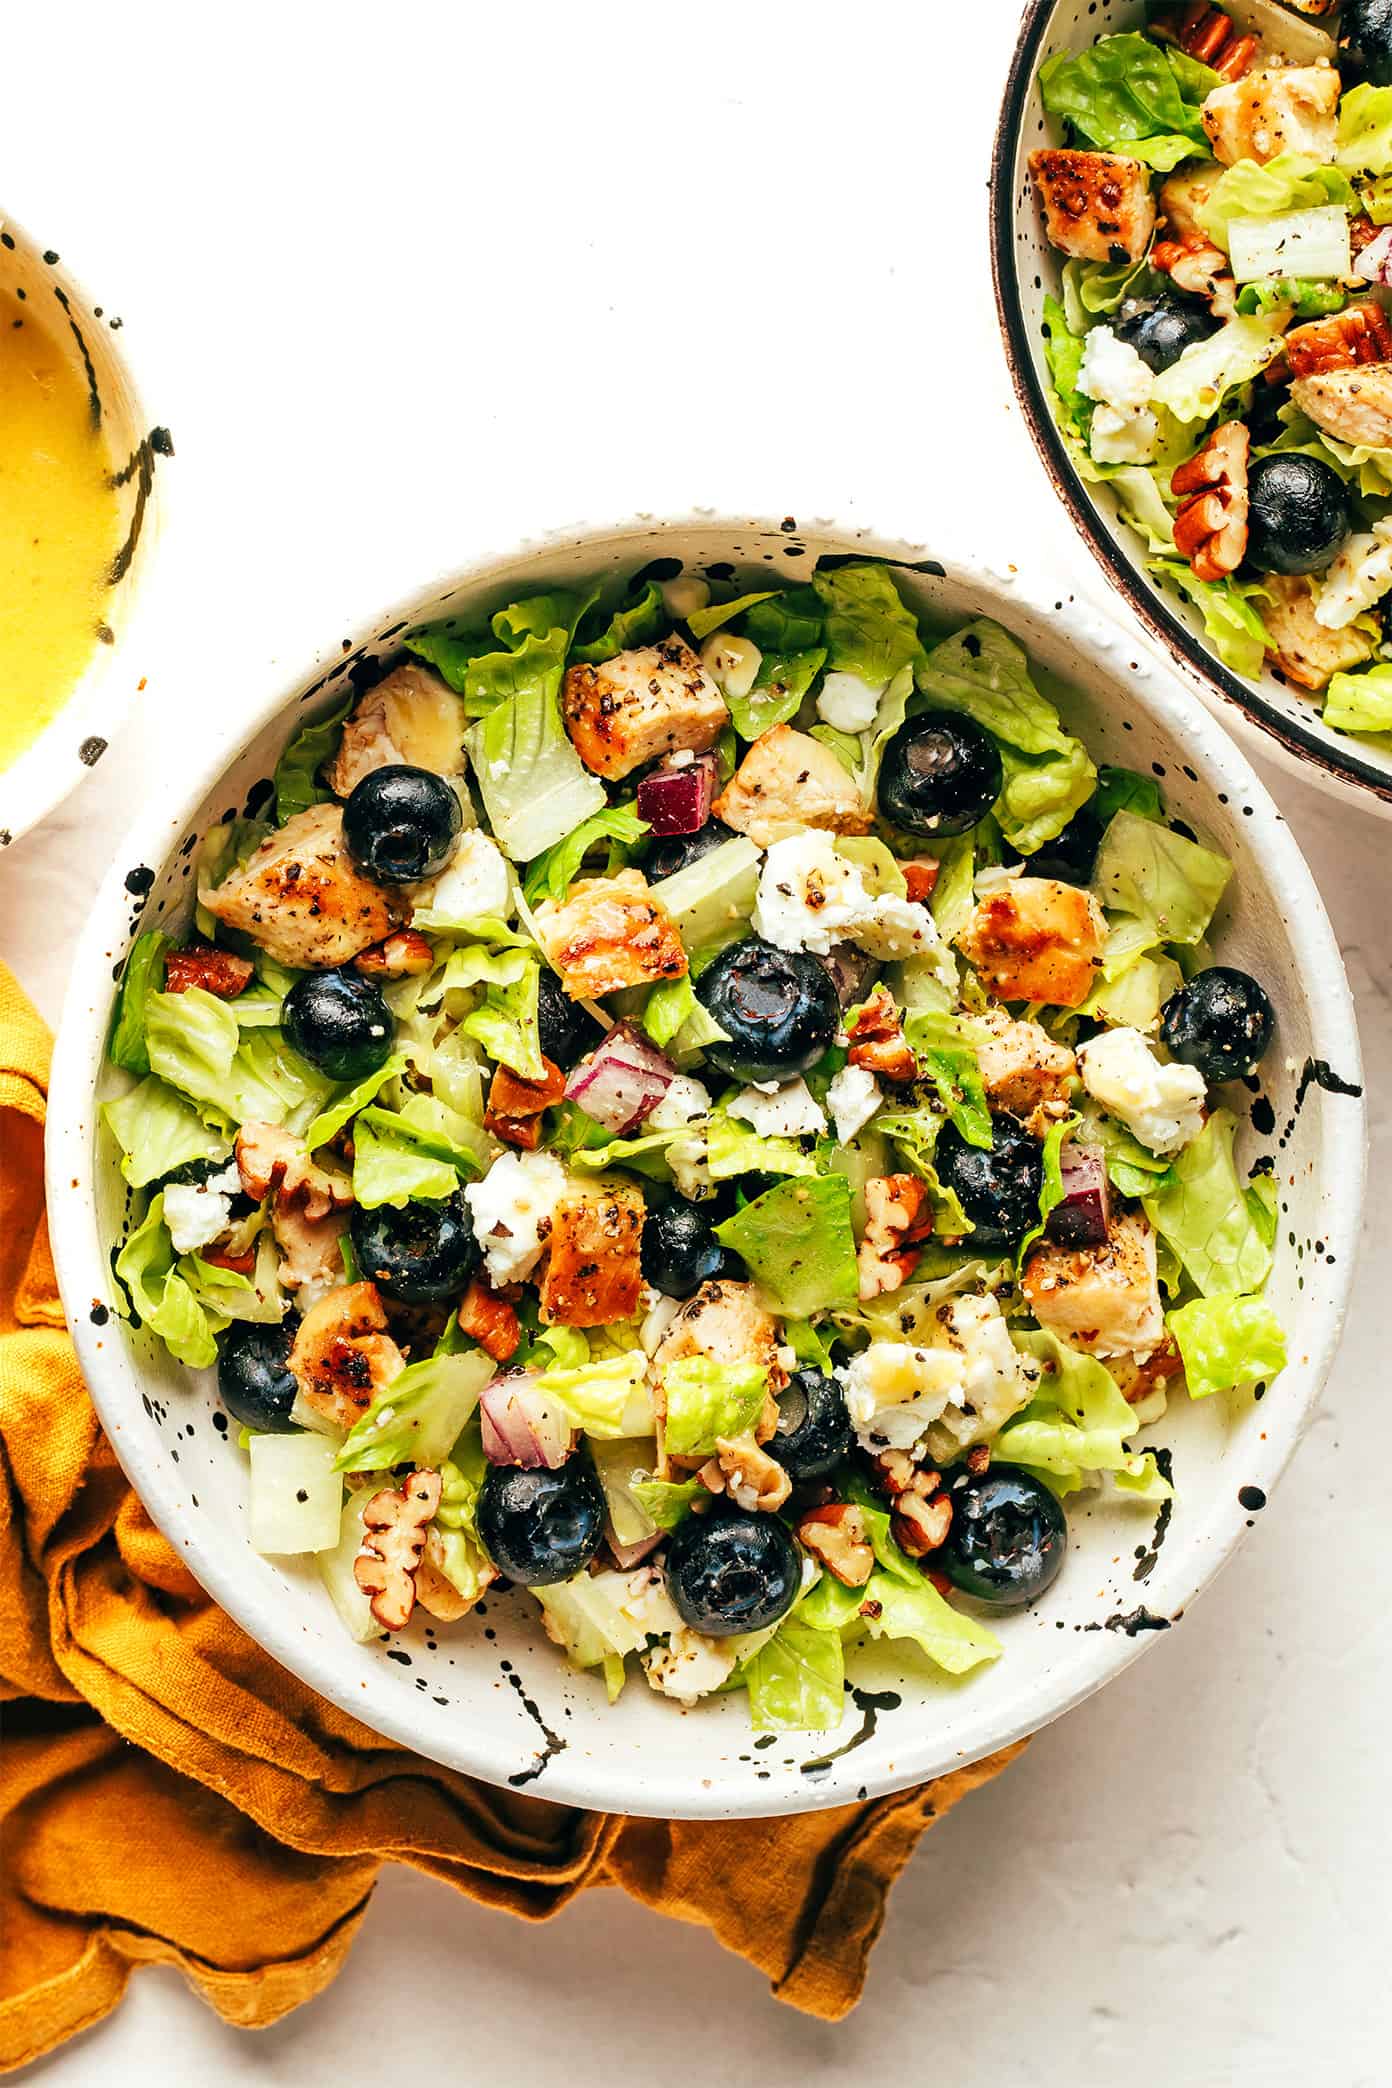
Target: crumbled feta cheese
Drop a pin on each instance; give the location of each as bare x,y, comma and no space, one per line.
198,1212
1161,1105
1359,576
685,1100
789,1112
732,663
689,1666
966,1377
811,898
848,703
853,1096
683,596
475,884
1112,372
512,1208
647,1606
1123,438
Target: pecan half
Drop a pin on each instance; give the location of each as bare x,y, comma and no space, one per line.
877,1038
394,1531
1359,334
1209,35
898,1219
836,1535
1194,264
1210,530
406,954
216,971
922,1511
746,1473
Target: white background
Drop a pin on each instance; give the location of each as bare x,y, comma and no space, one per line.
406,282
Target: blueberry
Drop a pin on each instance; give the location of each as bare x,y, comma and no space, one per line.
1070,856
541,1527
401,823
253,1371
1221,1023
1008,1536
1161,328
814,1429
680,1250
778,1009
997,1185
1365,39
339,1021
1298,513
941,773
567,1032
420,1253
678,851
731,1573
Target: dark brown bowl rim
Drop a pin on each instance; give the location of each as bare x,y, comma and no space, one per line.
1146,600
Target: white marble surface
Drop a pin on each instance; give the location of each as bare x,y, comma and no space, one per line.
407,283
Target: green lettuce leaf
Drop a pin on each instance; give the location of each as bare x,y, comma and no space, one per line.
1154,875
534,786
1291,181
797,1682
946,1053
141,975
1200,1208
915,1133
506,1024
640,619
605,1398
157,1131
225,1294
1051,1189
1361,702
196,1044
798,1243
1195,387
1063,353
420,1415
733,1148
1095,289
1365,130
952,1640
1231,623
706,1399
779,688
1125,94
1227,1340
159,1297
1304,300
395,1160
665,1502
702,622
1077,1421
463,1561
345,1105
868,630
556,869
711,899
790,622
297,784
1126,790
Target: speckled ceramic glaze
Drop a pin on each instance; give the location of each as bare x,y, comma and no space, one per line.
78,736
1274,718
491,1695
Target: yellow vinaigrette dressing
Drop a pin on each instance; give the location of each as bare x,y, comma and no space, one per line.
60,526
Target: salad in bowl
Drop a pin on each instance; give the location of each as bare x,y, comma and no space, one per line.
703,1101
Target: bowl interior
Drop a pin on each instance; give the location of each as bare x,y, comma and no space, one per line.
1027,270
505,1706
77,737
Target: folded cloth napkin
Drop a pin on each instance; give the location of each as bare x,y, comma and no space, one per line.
169,1794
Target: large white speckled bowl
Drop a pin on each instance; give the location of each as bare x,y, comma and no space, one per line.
1277,718
492,1696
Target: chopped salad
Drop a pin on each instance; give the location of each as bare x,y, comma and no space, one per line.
706,1106
1221,354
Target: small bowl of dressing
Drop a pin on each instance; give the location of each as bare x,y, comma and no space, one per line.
79,510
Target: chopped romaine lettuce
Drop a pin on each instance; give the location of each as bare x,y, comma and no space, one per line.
297,784
1126,790
1360,702
506,1023
1290,181
1051,1191
463,1560
420,1415
779,688
868,630
797,1682
141,975
665,1502
1129,95
1194,387
157,1131
1233,626
553,873
534,786
622,1463
195,1043
1077,1421
702,622
609,1398
712,898
639,619
915,1133
798,1243
295,1495
1295,294
336,1569
1200,1208
225,1294
1154,875
1227,1340
1311,243
952,1640
160,1299
790,622
330,1121
395,1160
1365,130
706,1399
946,1052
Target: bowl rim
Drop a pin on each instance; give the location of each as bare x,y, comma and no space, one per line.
101,701
1145,600
82,1261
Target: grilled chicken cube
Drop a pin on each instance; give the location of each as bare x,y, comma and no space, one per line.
593,1275
1104,1299
1097,205
301,898
343,1356
411,716
788,780
641,704
1036,939
1021,1065
610,933
1305,651
1351,405
1284,108
1182,196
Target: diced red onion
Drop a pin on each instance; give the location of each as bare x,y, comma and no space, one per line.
1080,1217
627,1555
677,800
1374,264
521,1427
623,1078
